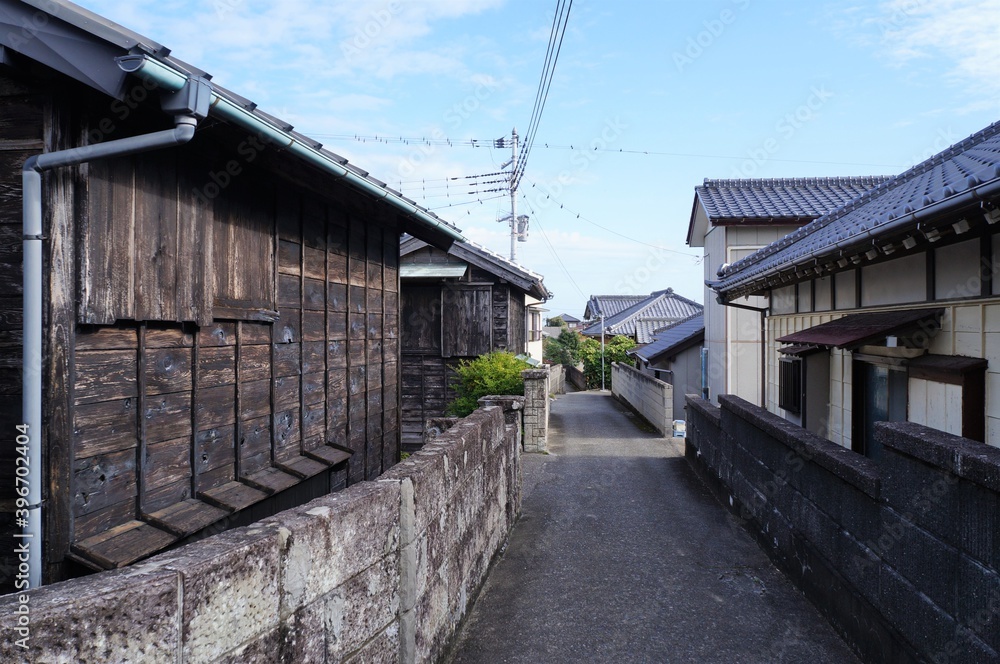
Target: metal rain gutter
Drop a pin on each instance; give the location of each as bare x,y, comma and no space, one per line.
974,193
31,382
170,79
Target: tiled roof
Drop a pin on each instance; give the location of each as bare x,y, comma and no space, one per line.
86,46
782,198
674,337
610,305
929,195
646,328
661,306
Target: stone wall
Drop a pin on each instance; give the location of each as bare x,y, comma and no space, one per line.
382,571
651,398
536,409
902,555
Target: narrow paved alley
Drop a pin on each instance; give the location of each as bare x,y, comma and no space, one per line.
622,555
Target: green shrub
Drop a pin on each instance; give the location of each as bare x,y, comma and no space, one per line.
614,351
563,349
493,373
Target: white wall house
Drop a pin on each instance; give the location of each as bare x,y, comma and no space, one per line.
732,219
888,308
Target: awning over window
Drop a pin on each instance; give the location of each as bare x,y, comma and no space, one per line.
799,350
432,270
859,329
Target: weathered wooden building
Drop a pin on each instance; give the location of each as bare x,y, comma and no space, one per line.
458,304
219,329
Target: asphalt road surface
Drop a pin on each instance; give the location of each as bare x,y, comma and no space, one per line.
622,555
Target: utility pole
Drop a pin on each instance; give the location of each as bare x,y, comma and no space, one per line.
518,225
513,195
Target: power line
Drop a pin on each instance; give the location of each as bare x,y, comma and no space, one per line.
552,250
478,200
609,230
559,23
649,153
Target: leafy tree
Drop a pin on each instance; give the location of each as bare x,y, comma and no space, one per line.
557,321
493,373
563,349
614,351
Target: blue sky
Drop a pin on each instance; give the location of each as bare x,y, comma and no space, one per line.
708,88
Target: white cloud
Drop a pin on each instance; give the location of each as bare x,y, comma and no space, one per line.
962,33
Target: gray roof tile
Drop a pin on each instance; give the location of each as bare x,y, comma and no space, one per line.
781,198
662,306
948,182
675,336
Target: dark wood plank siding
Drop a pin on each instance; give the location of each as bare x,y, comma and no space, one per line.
422,319
468,311
443,322
250,343
205,349
21,135
516,321
65,201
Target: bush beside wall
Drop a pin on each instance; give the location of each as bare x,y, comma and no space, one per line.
901,555
382,571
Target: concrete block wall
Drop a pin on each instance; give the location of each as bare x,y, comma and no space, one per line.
380,572
651,398
903,554
536,408
576,377
557,379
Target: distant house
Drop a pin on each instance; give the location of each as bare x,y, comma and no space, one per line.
210,301
732,219
608,305
674,356
572,322
458,304
636,316
888,307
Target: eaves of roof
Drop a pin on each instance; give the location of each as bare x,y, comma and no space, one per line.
681,335
518,275
944,195
85,46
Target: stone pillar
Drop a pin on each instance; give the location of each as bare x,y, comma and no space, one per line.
512,404
536,409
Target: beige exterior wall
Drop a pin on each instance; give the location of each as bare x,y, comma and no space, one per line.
532,348
970,327
732,335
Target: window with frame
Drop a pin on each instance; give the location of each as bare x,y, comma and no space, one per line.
534,325
790,384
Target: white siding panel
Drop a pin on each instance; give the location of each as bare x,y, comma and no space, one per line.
846,289
898,281
823,295
956,271
783,300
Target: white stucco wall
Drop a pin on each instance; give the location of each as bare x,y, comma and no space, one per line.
732,335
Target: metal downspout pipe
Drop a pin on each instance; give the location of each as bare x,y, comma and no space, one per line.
31,382
763,344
